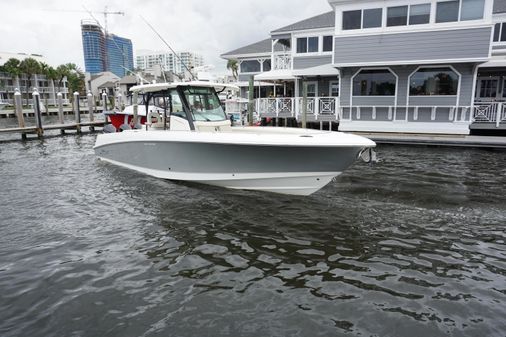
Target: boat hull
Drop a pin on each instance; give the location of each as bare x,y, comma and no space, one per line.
280,168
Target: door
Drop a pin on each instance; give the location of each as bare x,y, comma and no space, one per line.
487,89
312,89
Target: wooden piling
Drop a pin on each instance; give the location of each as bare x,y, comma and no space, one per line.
104,105
59,98
38,115
18,105
91,107
135,98
77,112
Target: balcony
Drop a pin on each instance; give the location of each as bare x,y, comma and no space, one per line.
282,61
318,108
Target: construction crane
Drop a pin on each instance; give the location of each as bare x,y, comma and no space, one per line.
105,13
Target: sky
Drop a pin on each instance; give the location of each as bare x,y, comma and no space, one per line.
210,27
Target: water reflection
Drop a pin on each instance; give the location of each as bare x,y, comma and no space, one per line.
414,245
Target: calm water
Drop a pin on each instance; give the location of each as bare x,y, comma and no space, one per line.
411,246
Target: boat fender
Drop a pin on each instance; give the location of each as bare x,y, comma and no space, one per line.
109,128
154,114
124,127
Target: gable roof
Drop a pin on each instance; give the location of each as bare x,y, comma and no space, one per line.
499,6
260,47
325,20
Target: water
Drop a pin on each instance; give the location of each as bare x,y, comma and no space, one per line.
411,246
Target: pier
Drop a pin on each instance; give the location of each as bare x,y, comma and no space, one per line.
38,129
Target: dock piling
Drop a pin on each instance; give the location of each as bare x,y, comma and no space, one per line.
89,97
59,98
104,105
38,115
136,108
18,104
77,112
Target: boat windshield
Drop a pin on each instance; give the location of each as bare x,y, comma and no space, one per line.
204,104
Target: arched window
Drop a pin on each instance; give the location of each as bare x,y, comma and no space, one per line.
374,82
434,82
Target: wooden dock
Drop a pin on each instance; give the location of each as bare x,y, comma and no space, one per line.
62,127
38,129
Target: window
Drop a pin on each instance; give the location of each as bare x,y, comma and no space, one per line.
397,16
352,20
251,66
433,81
447,11
472,9
334,88
372,18
500,32
312,44
307,45
327,43
419,14
497,31
374,82
204,104
267,65
312,88
302,45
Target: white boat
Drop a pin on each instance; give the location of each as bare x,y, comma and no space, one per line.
193,141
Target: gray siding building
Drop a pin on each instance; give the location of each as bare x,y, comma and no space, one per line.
433,66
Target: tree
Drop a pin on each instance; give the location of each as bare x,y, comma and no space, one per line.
11,67
75,78
51,75
234,67
29,67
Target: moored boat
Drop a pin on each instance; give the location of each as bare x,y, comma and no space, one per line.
193,140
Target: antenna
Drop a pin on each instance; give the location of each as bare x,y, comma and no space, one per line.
161,38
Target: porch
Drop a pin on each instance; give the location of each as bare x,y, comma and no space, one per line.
440,119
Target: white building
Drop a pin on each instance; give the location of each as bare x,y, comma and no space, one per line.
47,88
167,61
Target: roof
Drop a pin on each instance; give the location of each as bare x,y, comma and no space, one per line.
4,57
260,47
144,88
128,79
499,6
325,20
107,85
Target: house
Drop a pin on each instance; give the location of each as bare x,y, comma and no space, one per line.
411,66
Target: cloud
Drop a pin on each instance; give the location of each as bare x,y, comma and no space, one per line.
211,28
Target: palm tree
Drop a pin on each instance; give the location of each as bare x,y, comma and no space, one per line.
61,72
11,67
234,67
75,78
29,67
51,75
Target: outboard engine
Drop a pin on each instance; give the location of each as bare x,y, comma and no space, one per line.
109,128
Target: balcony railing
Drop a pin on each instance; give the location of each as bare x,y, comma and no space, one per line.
329,108
292,107
494,113
282,62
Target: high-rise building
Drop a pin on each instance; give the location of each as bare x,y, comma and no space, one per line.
93,47
114,53
120,56
148,59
